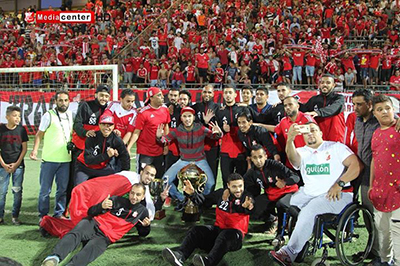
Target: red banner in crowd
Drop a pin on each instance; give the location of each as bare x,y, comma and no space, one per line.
35,104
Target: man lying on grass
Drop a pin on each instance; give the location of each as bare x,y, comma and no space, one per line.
106,223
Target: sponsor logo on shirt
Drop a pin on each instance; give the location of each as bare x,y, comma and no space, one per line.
318,169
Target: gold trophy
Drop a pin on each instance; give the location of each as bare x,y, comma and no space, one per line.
198,179
157,186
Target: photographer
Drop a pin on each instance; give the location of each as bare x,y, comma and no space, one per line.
55,129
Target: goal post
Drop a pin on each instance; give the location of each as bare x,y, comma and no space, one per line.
113,68
33,88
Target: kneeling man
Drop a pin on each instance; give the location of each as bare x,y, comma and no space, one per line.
234,206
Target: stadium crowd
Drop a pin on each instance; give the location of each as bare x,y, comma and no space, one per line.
234,42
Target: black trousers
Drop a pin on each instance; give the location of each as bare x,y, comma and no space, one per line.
212,239
72,166
212,157
85,231
232,165
157,161
263,208
170,159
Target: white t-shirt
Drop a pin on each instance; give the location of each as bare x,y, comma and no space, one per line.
135,178
66,122
322,167
178,41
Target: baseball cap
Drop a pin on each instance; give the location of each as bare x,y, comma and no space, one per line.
106,119
103,88
187,109
151,92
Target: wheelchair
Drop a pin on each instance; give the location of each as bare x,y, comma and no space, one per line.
351,233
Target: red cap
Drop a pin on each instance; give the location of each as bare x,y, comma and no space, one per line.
187,109
152,91
106,119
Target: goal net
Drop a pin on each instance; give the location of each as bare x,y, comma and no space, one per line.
33,89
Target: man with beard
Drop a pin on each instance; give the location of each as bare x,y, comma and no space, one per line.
205,112
293,115
175,113
155,113
85,125
124,114
55,130
261,105
233,156
190,137
277,112
327,109
234,206
327,168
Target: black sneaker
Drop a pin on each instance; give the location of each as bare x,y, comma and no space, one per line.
173,257
181,206
199,260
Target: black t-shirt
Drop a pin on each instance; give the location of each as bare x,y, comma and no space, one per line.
11,143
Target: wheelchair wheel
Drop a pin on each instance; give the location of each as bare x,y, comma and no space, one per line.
354,237
317,262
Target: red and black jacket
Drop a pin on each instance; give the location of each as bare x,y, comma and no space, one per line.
118,221
201,108
87,118
330,117
258,135
228,214
255,180
95,154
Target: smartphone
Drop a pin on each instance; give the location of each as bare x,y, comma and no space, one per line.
304,129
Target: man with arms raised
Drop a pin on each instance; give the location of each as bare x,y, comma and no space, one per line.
205,112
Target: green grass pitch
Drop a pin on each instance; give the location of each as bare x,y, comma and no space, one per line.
25,244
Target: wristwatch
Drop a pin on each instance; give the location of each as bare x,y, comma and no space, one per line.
341,183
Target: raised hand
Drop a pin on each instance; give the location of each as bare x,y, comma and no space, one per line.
248,203
160,130
207,116
215,128
107,203
225,195
146,221
188,187
165,192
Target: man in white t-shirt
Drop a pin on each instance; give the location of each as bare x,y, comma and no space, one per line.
326,185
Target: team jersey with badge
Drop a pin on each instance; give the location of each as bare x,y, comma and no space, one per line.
322,167
147,121
123,119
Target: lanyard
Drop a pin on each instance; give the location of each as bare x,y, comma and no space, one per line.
62,127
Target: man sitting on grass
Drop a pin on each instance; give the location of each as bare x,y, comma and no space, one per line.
231,224
107,222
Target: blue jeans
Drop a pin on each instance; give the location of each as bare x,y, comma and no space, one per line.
176,167
17,179
297,73
47,172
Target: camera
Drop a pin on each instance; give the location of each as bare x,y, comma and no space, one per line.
70,146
